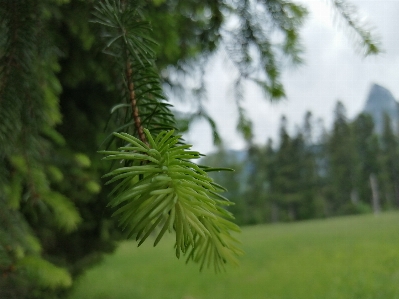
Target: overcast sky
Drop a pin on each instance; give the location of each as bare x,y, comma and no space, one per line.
333,70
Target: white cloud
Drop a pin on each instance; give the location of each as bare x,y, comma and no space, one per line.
333,70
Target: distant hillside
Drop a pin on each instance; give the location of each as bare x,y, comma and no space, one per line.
379,101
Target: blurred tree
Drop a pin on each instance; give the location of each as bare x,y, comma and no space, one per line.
296,176
341,162
269,168
257,191
233,181
367,157
287,173
309,173
390,156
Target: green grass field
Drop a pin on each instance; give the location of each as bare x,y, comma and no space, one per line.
347,257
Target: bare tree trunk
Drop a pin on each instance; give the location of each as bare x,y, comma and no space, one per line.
354,197
275,212
396,194
375,194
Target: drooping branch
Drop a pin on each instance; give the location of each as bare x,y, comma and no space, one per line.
160,185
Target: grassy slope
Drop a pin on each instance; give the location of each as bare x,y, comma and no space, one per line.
348,257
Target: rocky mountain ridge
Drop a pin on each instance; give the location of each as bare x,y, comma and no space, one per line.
380,101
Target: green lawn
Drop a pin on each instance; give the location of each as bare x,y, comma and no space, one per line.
347,257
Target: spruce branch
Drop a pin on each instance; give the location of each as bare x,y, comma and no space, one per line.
160,188
172,193
366,41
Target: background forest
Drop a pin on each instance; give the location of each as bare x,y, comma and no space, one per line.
315,172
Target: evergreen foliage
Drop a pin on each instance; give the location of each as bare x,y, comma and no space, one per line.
307,176
390,155
160,186
172,192
56,92
368,152
28,113
341,161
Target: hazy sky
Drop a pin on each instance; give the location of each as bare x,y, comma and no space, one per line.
333,70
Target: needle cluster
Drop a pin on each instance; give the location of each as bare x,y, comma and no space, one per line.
163,190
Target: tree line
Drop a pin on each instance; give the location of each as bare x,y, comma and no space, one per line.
349,169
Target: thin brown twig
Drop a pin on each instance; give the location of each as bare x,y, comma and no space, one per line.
133,102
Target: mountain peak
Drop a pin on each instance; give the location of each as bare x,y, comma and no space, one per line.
379,93
380,101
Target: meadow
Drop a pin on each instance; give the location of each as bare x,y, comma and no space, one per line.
346,257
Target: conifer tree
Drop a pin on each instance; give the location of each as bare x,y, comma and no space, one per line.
257,191
29,205
390,156
56,90
270,174
341,157
287,173
233,181
367,156
309,172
